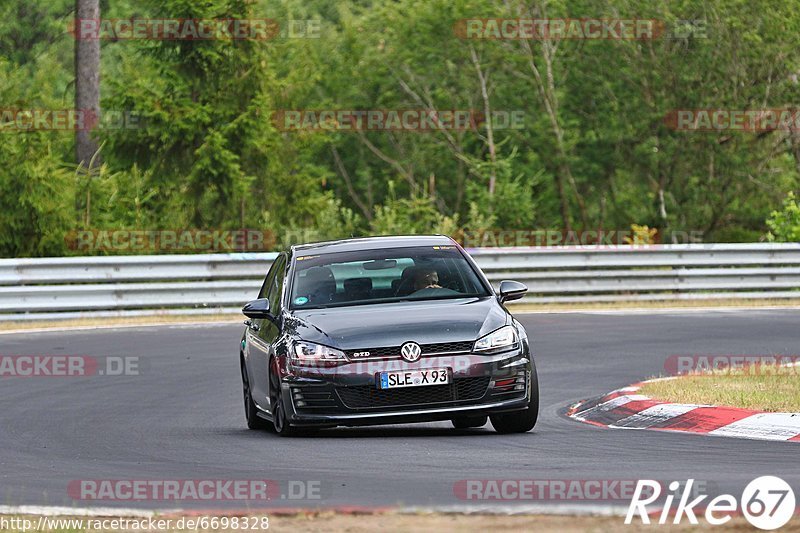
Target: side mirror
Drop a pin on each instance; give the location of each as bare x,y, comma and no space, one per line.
257,309
511,290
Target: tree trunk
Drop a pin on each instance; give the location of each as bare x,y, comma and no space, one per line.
87,85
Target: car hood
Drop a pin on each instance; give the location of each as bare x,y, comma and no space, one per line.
384,325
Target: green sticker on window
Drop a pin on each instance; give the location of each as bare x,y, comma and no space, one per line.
301,300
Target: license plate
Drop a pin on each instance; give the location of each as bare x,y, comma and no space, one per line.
414,378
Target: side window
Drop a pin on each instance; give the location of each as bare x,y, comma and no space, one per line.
275,286
270,277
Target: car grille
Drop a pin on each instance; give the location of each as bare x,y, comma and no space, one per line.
375,352
368,396
427,349
444,347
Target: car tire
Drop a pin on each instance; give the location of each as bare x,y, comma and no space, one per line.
280,422
254,421
520,421
466,422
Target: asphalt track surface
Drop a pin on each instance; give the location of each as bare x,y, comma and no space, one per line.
182,418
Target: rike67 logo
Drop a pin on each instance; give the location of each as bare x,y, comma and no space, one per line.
768,503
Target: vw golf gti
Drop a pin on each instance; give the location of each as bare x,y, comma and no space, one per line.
385,330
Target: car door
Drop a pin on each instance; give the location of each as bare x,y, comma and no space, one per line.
263,333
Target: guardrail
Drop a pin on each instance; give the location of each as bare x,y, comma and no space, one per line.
80,286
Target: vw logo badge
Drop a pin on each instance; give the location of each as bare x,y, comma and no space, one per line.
410,351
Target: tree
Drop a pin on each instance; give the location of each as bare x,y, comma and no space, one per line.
87,83
784,225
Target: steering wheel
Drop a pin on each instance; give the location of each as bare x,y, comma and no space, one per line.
452,285
404,286
438,290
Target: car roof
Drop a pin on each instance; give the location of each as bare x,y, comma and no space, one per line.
372,243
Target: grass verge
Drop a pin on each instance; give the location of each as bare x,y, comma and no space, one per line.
762,387
154,319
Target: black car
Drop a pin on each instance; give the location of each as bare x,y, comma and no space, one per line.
385,330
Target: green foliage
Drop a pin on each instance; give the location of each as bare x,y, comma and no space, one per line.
784,225
511,206
30,27
330,221
593,149
411,216
35,192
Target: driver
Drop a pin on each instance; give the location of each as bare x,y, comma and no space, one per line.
426,278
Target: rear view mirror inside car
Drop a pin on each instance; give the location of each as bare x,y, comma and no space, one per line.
380,264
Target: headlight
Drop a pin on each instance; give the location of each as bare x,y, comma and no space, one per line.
498,340
309,353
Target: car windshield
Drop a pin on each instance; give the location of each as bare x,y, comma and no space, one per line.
380,276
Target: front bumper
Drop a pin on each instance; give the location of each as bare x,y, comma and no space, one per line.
348,394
